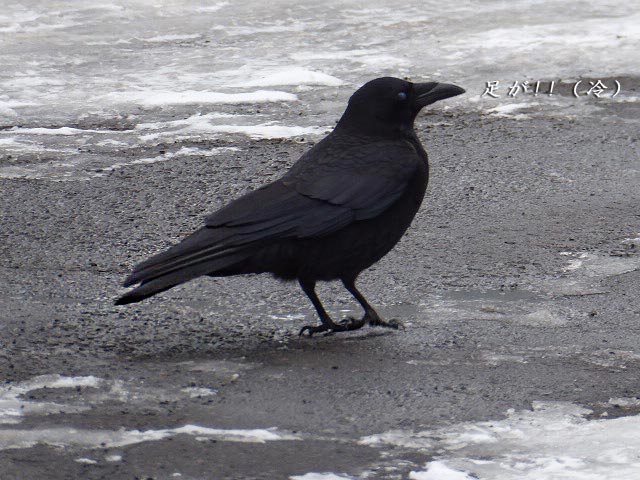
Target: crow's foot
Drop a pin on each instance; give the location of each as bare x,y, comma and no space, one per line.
351,323
311,329
345,325
375,321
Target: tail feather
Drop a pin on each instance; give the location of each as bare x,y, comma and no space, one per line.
205,245
163,267
225,246
175,276
194,244
202,253
145,290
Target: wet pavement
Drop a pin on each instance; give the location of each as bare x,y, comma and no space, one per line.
517,284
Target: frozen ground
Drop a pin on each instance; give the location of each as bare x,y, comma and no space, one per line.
122,124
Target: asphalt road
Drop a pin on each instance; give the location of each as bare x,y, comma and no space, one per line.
518,282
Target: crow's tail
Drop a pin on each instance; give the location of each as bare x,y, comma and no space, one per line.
203,253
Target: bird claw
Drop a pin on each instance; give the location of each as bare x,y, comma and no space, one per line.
393,323
351,323
345,325
311,329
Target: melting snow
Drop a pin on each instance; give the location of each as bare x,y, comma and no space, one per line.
292,76
319,476
13,407
553,442
151,98
86,438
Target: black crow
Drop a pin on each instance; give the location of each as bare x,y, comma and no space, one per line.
341,207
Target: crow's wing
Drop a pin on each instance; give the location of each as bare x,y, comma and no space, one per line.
320,195
317,197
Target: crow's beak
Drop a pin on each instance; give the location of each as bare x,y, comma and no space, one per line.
431,92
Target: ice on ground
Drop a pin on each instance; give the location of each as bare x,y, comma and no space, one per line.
319,476
155,48
625,402
288,316
266,131
150,98
553,441
55,131
261,131
87,438
6,110
198,125
540,318
17,400
439,471
598,265
584,270
291,76
632,242
184,151
148,62
509,108
78,168
172,38
399,438
13,407
195,392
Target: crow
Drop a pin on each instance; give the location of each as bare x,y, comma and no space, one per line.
339,209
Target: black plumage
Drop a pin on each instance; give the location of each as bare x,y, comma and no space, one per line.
338,210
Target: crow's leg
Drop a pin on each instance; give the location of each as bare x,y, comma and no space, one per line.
370,315
328,325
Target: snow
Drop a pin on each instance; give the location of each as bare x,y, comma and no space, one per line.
319,476
156,98
195,392
54,131
88,438
150,63
553,441
184,151
13,407
439,471
510,108
292,76
172,38
265,131
601,265
198,126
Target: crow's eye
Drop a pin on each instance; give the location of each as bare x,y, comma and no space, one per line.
402,96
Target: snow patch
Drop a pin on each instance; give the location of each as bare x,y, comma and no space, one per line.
199,127
55,131
195,392
509,108
172,38
151,98
541,318
85,438
439,471
292,76
13,407
595,265
184,151
553,441
319,476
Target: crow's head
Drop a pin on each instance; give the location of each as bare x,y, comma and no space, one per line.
390,104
